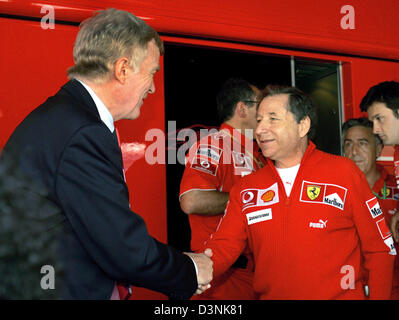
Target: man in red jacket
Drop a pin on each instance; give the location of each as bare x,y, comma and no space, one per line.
382,105
363,147
309,218
213,165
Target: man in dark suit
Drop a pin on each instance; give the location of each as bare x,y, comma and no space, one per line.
67,221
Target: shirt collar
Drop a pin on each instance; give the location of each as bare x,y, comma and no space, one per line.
103,111
379,184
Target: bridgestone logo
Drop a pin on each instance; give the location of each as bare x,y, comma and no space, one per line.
259,216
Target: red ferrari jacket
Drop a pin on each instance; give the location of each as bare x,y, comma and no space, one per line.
313,244
387,193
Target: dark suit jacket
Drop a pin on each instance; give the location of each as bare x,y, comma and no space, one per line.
68,156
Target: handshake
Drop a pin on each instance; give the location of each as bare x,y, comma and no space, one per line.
205,269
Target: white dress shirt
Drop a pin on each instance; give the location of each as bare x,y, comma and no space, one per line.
105,115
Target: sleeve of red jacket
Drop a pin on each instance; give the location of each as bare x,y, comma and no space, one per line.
230,238
201,172
375,237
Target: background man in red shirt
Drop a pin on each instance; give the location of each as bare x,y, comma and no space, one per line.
213,165
363,147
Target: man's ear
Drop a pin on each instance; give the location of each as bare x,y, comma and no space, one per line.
241,109
121,69
304,126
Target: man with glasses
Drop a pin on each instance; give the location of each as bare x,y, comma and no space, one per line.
212,167
363,147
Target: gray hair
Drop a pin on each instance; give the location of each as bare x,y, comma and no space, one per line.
107,36
360,122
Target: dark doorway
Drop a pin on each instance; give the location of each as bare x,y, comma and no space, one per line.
193,76
320,80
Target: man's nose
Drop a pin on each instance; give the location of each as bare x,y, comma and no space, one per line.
355,149
152,88
376,127
261,127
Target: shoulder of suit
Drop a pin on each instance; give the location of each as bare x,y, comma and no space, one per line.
66,112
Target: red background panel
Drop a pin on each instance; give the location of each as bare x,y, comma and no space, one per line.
33,64
33,67
369,72
305,24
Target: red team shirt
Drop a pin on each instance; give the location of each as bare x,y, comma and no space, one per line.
396,164
216,162
308,245
388,196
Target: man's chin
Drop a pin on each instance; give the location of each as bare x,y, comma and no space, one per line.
134,115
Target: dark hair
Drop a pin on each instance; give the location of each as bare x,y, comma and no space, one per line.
385,92
233,91
359,122
299,103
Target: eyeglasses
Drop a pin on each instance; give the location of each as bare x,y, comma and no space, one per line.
251,101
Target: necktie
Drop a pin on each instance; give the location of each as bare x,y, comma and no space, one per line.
115,134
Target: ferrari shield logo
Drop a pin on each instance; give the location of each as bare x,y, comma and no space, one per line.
385,192
313,192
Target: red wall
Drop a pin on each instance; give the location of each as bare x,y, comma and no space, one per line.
305,24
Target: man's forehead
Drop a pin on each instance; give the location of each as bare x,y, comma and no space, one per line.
275,103
359,133
376,108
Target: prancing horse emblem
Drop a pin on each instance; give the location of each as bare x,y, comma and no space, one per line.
313,192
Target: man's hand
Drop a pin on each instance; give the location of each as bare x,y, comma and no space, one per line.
395,226
205,269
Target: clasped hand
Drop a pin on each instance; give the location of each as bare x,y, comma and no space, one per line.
205,269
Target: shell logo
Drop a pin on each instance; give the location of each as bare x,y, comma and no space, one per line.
268,196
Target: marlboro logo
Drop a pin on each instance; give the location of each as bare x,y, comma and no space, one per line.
374,207
323,193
